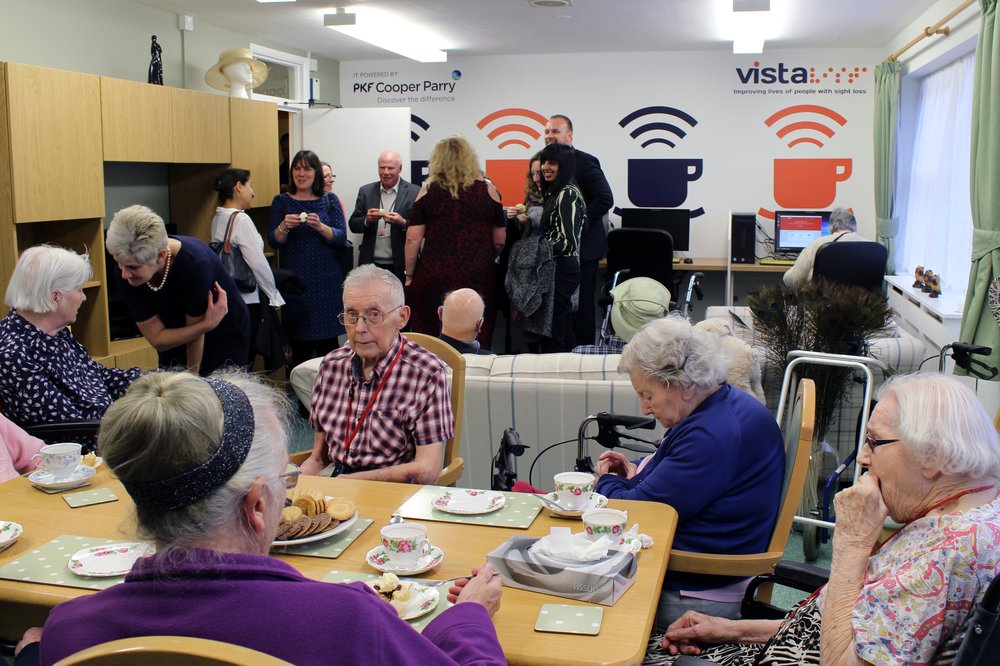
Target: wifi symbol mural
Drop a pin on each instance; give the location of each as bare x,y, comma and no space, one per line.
812,182
420,123
418,168
661,183
507,128
815,124
528,124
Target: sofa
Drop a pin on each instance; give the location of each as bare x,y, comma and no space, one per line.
545,397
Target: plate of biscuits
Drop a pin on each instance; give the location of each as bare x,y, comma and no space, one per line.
311,516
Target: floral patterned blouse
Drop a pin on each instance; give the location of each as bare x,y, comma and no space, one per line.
921,587
51,378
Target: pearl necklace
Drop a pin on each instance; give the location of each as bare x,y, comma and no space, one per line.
166,272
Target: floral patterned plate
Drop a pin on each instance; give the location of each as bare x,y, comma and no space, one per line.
422,601
114,559
9,532
596,501
377,557
43,478
469,502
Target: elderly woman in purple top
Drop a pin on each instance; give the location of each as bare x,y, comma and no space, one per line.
211,502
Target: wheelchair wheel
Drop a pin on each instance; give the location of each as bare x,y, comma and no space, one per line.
810,542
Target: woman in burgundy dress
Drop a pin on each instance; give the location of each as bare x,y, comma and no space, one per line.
458,218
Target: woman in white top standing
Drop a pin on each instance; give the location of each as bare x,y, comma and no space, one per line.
235,195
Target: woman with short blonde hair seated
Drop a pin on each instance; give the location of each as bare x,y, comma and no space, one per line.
205,462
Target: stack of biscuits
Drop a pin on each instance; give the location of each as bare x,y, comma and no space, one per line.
311,513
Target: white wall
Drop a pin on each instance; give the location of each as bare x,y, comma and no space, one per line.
111,38
736,148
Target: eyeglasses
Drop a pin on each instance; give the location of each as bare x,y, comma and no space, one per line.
372,317
329,177
875,443
291,479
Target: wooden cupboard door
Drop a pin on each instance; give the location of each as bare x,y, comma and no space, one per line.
253,126
56,156
137,121
201,127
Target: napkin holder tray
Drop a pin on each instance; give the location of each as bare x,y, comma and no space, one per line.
604,584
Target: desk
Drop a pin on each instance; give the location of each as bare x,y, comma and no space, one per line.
625,627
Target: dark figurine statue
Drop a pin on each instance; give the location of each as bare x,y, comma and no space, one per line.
155,63
918,274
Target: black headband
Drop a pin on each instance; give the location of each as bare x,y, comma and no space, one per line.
194,485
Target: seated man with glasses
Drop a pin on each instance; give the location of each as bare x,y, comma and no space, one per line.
380,405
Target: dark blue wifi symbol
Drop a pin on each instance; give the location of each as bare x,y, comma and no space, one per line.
420,122
679,132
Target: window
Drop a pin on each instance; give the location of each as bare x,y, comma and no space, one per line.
287,77
936,230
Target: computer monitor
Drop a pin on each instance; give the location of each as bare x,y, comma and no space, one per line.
794,229
675,221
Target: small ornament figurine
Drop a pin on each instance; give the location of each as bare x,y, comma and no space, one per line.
935,286
928,274
918,278
155,63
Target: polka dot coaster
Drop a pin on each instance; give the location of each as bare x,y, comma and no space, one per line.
569,619
47,564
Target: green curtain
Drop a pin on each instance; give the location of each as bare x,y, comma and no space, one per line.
978,324
886,122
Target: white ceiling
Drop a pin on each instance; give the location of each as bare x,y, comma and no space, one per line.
502,27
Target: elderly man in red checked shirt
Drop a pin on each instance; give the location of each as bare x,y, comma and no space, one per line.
380,405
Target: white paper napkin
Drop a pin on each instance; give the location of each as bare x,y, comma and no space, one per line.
562,543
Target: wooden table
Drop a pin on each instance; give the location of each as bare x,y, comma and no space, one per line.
624,630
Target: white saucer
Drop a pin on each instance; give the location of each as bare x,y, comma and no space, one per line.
9,533
379,559
43,478
423,599
595,501
469,502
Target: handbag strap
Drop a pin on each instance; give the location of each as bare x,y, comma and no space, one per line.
227,247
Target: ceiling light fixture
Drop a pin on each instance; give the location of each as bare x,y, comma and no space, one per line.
268,1
550,3
750,23
383,30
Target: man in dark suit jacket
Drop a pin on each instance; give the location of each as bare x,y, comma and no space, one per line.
594,240
381,214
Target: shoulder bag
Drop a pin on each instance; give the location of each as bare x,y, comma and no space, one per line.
233,261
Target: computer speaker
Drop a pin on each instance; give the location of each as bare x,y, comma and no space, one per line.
743,238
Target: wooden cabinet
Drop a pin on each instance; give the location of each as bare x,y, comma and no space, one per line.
52,177
150,123
200,123
253,128
136,119
57,129
55,156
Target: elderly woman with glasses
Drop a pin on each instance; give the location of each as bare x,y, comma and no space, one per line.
933,459
720,465
211,502
46,375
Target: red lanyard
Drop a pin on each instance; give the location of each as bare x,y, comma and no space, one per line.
892,536
357,426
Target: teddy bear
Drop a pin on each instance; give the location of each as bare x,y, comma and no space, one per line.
744,363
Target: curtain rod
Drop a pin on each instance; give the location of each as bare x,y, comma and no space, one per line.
930,31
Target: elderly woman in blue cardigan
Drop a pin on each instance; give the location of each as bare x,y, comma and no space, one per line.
720,465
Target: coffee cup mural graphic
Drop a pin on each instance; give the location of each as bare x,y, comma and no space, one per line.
661,183
809,183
